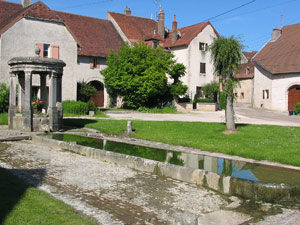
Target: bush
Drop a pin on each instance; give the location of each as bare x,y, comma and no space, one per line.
297,108
223,100
85,91
4,98
185,99
3,118
207,100
91,106
77,108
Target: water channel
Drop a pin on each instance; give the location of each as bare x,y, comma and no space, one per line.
239,169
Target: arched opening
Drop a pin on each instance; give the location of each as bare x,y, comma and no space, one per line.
294,97
99,98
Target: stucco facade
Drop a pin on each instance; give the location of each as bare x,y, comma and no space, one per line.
243,93
278,86
21,39
191,56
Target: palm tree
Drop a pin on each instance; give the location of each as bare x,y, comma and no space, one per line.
227,56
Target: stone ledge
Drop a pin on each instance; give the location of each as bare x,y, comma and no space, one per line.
223,184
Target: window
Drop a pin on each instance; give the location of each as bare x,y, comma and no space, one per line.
266,94
199,91
94,63
203,46
242,95
46,52
235,95
202,67
154,44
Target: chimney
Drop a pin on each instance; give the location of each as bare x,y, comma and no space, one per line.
127,11
276,34
174,30
161,23
26,3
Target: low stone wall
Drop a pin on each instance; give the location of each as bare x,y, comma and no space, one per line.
207,107
224,184
184,107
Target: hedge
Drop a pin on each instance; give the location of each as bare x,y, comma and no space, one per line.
223,100
74,107
297,108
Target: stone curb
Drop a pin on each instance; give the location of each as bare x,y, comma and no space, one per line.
220,183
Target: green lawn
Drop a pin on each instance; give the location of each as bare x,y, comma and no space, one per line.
3,118
260,142
23,204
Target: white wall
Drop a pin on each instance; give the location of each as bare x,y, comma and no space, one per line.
278,86
191,57
262,81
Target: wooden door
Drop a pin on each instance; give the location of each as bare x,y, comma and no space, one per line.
99,99
294,97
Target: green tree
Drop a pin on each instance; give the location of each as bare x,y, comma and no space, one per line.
212,89
176,72
138,75
227,56
4,98
85,91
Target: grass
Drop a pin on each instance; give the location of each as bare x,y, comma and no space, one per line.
3,118
167,109
260,142
98,114
24,204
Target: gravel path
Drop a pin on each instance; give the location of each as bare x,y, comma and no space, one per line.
118,195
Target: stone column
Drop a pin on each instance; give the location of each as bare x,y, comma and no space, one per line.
59,101
12,100
52,109
21,92
27,114
43,89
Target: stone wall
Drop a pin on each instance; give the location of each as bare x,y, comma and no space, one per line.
244,92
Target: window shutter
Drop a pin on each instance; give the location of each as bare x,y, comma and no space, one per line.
55,51
41,47
91,63
98,63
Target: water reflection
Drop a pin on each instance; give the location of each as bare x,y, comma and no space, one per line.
243,170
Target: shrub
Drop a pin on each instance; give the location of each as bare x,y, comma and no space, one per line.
185,99
4,98
223,100
77,108
91,106
207,100
297,108
85,91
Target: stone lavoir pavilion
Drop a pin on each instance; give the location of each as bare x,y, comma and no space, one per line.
22,70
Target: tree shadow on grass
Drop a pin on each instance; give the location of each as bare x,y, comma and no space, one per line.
77,123
13,188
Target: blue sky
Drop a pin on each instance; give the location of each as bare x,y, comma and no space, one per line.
252,23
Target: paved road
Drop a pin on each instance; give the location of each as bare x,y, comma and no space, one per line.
244,114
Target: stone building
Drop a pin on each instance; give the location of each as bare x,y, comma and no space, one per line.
244,92
277,71
83,43
190,44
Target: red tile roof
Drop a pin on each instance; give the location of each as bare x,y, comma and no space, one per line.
283,55
188,34
95,36
8,9
135,28
242,74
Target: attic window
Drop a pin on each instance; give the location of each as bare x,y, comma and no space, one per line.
203,46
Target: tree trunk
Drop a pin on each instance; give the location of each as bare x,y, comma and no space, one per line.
230,114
